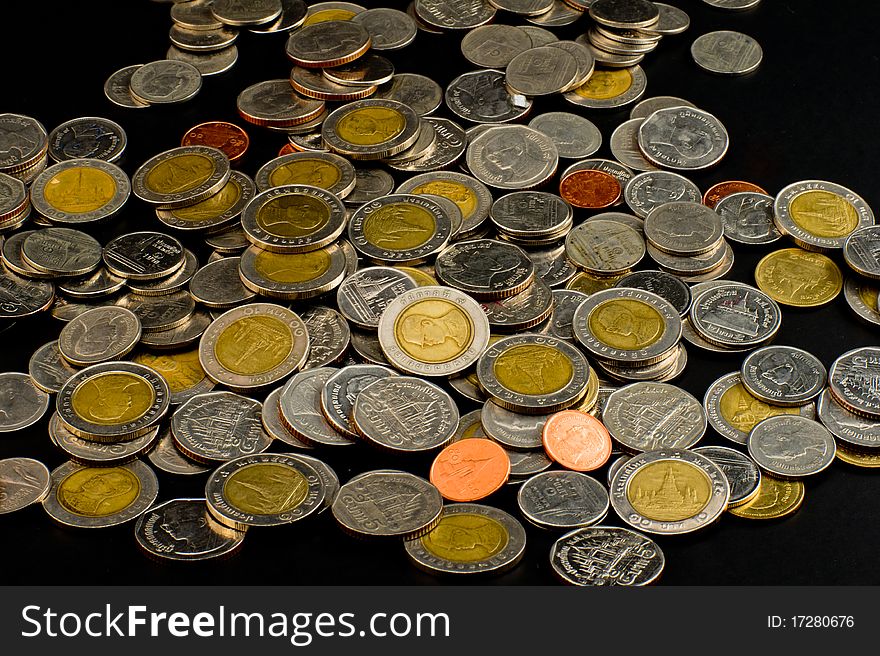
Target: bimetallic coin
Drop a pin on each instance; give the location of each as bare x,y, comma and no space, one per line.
604,248
323,170
99,497
181,370
670,491
169,284
98,335
23,481
433,331
363,296
727,53
213,213
500,547
853,377
274,103
791,446
483,97
848,427
741,471
292,276
470,470
776,498
181,176
734,314
512,157
860,252
267,489
341,390
561,500
254,346
647,190
577,441
799,278
300,407
862,299
48,369
371,129
168,458
606,555
388,504
470,195
609,88
748,218
182,530
329,43
783,375
328,477
98,454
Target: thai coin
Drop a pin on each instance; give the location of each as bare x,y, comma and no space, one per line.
609,88
650,189
670,491
448,147
565,302
165,81
668,138
405,415
23,481
586,63
48,370
523,7
776,498
293,15
471,469
86,452
24,403
181,370
796,277
559,15
684,228
99,334
329,43
527,309
55,252
159,313
663,284
853,379
732,411
195,15
648,106
500,548
791,447
167,457
328,478
370,184
300,407
217,285
652,326
25,143
433,331
273,422
92,137
551,265
389,29
181,176
741,471
170,284
363,296
748,218
367,71
665,370
604,248
65,310
862,299
857,457
541,71
483,97
254,346
470,195
215,212
207,63
860,252
228,242
255,12
606,555
531,214
366,347
727,52
620,172
624,145
421,94
275,103
182,530
615,466
624,14
98,497
494,46
423,145
341,390
329,336
575,137
563,500
292,276
694,265
182,336
512,430
117,89
327,171
734,314
720,190
783,375
14,200
733,5
98,284
651,416
847,427
486,269
371,129
819,215
200,41
512,157
448,15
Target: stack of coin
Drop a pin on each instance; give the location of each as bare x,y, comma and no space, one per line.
731,316
26,152
15,203
205,38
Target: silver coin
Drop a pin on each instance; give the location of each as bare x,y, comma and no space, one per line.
683,138
23,481
748,218
363,297
327,43
665,370
169,284
404,414
523,7
48,370
605,555
14,261
329,336
300,407
512,157
86,452
862,299
783,375
524,310
672,20
182,530
615,466
624,14
604,248
472,197
14,201
388,504
341,390
200,41
633,80
273,422
791,446
551,265
563,500
24,404
689,267
606,59
87,137
512,430
65,310
541,71
61,251
143,255
494,46
625,146
195,15
845,425
854,378
861,252
559,15
485,269
742,472
532,214
390,29
663,284
98,335
254,12
165,81
448,147
586,63
649,416
167,457
117,89
648,106
575,137
684,228
455,15
647,190
207,63
727,53
734,314
25,143
565,302
293,15
274,102
219,426
370,184
733,5
98,284
421,94
186,334
367,348
483,97
159,313
217,285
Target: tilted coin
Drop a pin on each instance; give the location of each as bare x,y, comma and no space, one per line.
449,15
182,530
367,71
14,261
470,195
576,440
87,452
300,407
25,142
647,190
609,88
648,106
370,184
264,489
783,375
663,284
324,170
389,29
433,331
324,11
292,275
423,145
366,347
48,369
167,285
340,392
371,129
100,334
61,251
186,334
606,555
167,457
181,370
691,268
483,97
670,491
24,403
819,215
275,103
195,15
560,14
623,14
575,137
23,481
159,313
854,378
668,138
165,81
734,314
541,71
363,296
448,147
586,63
228,242
748,218
604,248
776,498
565,302
551,266
799,278
664,370
254,346
563,500
388,504
531,214
64,310
273,422
207,63
255,12
328,478
117,89
624,145
485,268
14,200
217,285
200,41
720,190
846,426
727,52
214,212
684,228
421,94
512,430
329,43
181,176
732,5
741,471
98,284
494,46
312,83
791,447
80,191
862,299
512,157
99,497
329,336
524,310
860,252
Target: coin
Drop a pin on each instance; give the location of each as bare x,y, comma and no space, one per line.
217,285
421,94
388,504
791,446
292,275
563,500
273,423
721,190
849,428
167,457
796,277
300,407
624,14
433,331
858,251
862,299
324,170
363,296
525,310
390,29
748,218
853,377
24,481
328,43
609,88
733,5
232,140
575,137
606,555
734,314
624,145
255,12
857,458
181,176
208,63
165,81
500,546
541,71
24,403
483,97
47,369
484,268
783,375
275,103
228,242
684,228
576,441
117,89
170,284
329,336
340,392
470,195
254,346
742,472
367,71
370,184
99,497
181,370
776,498
86,452
159,313
87,137
182,530
647,190
494,46
727,53
512,157
371,129
25,143
670,491
604,248
99,334
531,215
186,334
550,265
470,469
454,15
198,42
512,430
663,284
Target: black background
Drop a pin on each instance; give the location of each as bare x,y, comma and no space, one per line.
809,111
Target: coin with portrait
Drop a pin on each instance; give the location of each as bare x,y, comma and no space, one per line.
183,530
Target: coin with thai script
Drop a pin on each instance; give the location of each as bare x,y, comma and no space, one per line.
371,129
734,314
329,335
213,213
485,268
164,82
159,313
512,157
292,276
100,454
748,218
742,472
854,378
48,369
576,440
167,457
274,103
470,469
341,390
609,88
144,255
99,334
606,555
541,71
604,248
846,426
494,45
776,498
783,375
61,252
448,15
861,296
561,500
791,447
80,191
483,97
727,52
328,43
799,278
363,296
300,407
182,530
24,481
117,89
649,189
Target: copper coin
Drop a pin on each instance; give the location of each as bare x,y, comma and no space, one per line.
576,440
286,149
718,191
590,189
227,137
470,470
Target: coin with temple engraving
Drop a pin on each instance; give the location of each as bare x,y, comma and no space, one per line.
341,390
609,88
726,52
470,469
604,248
606,555
861,252
216,212
482,97
182,530
181,176
799,278
734,314
80,191
363,296
854,380
649,416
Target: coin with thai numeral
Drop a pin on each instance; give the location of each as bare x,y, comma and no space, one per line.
606,555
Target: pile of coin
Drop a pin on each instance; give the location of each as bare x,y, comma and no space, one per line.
24,159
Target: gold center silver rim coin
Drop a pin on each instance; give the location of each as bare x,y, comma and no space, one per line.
292,276
181,176
324,170
80,191
214,212
371,129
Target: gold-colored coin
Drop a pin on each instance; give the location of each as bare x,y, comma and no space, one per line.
292,267
590,284
253,345
669,491
215,211
329,15
211,207
434,331
627,324
793,276
824,214
180,174
112,399
514,369
80,189
98,492
605,84
182,371
399,227
422,278
776,498
465,538
463,196
858,457
292,276
743,411
293,216
266,489
371,126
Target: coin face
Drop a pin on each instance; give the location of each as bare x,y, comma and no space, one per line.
652,416
563,500
364,295
182,530
494,46
328,43
100,454
512,157
727,53
471,196
604,247
143,255
783,375
300,407
99,334
117,89
166,456
853,378
541,71
164,82
80,191
181,176
23,297
776,498
274,103
846,426
483,97
99,497
214,212
648,190
796,277
748,218
448,15
470,469
576,441
741,471
159,313
181,370
606,555
791,446
735,314
609,88
485,268
24,481
292,275
254,346
48,369
186,334
371,129
512,430
329,336
720,190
